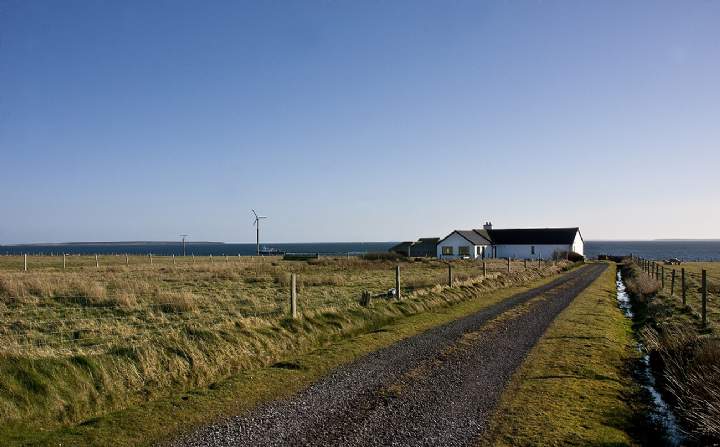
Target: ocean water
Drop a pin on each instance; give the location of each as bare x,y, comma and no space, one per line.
686,250
197,248
695,250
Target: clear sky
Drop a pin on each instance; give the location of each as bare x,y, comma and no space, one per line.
357,120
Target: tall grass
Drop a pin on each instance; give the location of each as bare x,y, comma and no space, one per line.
79,343
684,354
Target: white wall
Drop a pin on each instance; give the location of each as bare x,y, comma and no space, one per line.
578,245
525,251
456,241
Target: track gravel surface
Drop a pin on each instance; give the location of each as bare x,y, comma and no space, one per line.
436,388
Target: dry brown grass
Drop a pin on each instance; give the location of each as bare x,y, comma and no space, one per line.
690,365
103,338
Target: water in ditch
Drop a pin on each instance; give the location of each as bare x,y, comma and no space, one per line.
660,416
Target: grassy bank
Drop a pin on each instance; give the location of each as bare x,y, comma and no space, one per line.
684,354
52,388
573,388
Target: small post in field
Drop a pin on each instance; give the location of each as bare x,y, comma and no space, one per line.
64,262
127,259
539,262
450,276
525,263
173,256
682,285
397,281
211,259
293,295
508,264
25,262
365,299
704,298
672,283
484,269
193,258
226,259
97,262
150,255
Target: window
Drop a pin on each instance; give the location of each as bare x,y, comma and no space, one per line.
464,250
478,249
532,250
447,251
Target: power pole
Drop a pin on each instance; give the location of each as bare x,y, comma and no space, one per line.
183,236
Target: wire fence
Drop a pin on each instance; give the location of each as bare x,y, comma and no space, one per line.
692,284
68,324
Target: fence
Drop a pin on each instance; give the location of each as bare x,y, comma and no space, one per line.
691,283
49,315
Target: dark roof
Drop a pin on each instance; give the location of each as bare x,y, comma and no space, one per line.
533,236
472,236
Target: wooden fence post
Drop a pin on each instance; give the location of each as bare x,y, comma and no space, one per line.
662,276
151,261
25,262
64,262
525,264
211,259
397,281
508,264
173,256
193,258
484,270
682,280
672,283
704,298
293,295
226,259
450,275
97,262
127,259
539,262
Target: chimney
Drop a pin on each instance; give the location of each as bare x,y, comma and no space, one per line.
487,226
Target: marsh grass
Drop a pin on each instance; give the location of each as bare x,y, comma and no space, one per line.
84,341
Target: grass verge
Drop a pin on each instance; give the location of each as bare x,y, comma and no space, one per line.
574,389
150,422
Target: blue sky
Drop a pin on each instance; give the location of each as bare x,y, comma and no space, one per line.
357,120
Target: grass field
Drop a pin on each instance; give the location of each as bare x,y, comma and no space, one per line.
82,341
672,299
574,387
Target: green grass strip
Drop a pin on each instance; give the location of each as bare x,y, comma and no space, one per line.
574,387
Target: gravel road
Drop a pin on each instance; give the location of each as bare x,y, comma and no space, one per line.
436,388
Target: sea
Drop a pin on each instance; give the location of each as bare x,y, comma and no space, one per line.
689,250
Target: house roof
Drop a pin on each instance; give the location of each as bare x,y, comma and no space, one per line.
473,236
534,236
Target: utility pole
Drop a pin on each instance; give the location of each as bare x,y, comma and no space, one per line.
183,236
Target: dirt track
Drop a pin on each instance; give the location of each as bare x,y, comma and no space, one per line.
436,388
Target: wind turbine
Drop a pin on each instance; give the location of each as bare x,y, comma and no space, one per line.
257,228
183,236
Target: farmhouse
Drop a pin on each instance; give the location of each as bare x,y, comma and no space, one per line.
522,243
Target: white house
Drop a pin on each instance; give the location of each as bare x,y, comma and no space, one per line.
522,243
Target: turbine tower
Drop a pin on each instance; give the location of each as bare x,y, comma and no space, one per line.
183,236
257,229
